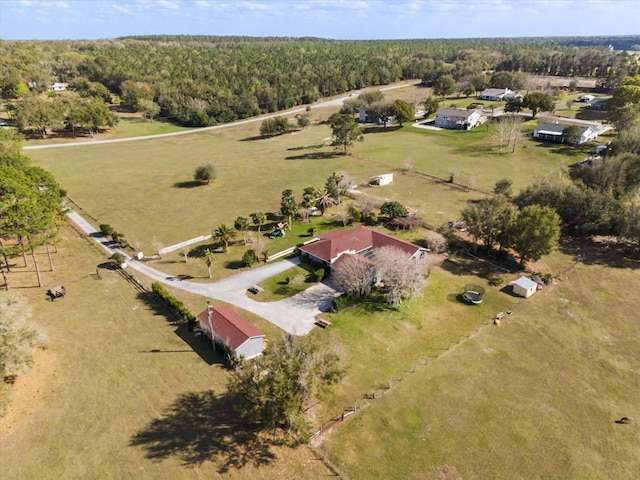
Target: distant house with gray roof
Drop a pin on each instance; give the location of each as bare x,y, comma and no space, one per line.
497,94
459,118
552,132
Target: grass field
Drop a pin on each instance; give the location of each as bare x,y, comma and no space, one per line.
536,397
122,392
156,196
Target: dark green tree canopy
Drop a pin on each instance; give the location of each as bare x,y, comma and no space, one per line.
538,102
402,111
345,131
205,173
273,389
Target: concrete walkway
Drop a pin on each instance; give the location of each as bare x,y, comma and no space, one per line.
186,243
295,315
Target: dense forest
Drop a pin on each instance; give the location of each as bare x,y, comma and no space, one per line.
201,80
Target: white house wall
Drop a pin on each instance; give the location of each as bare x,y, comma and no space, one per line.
251,348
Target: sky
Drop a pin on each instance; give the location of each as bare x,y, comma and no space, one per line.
334,19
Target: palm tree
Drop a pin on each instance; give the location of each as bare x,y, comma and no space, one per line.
209,258
242,224
225,233
258,218
324,201
288,206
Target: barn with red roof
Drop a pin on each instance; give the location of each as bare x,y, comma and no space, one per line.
361,241
226,328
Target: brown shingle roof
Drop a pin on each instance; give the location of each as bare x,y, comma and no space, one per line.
228,325
354,240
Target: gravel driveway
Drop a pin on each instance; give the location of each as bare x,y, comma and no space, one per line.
295,315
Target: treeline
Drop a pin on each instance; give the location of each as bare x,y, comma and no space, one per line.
200,80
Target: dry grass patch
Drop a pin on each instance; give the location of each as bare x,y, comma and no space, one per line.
129,393
535,397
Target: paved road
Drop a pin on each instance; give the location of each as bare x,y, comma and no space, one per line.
336,102
295,315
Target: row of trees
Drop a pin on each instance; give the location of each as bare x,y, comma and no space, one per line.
30,206
197,81
73,113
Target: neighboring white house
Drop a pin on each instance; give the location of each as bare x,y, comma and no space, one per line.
59,87
459,118
360,241
553,132
379,180
230,331
496,94
525,287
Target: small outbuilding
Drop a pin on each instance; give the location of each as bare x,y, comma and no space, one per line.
525,287
228,330
379,180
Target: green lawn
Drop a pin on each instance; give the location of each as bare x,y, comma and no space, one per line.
156,196
535,397
123,393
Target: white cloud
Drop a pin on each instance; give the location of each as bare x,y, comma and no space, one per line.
168,5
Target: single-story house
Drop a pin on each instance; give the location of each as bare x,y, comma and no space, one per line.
227,329
459,118
361,241
379,180
525,287
497,94
553,132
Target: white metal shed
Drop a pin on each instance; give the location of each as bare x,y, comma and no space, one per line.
525,287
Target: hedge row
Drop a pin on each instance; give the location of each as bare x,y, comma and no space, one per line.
173,302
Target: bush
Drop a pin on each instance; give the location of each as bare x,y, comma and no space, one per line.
339,303
249,258
318,275
436,242
106,229
496,281
118,258
173,303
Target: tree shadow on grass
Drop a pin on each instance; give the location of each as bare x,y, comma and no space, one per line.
200,427
380,129
234,265
305,147
189,184
604,252
158,307
201,345
457,298
312,156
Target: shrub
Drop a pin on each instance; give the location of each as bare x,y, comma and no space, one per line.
249,258
343,301
371,219
106,229
118,258
496,281
436,242
173,303
318,274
